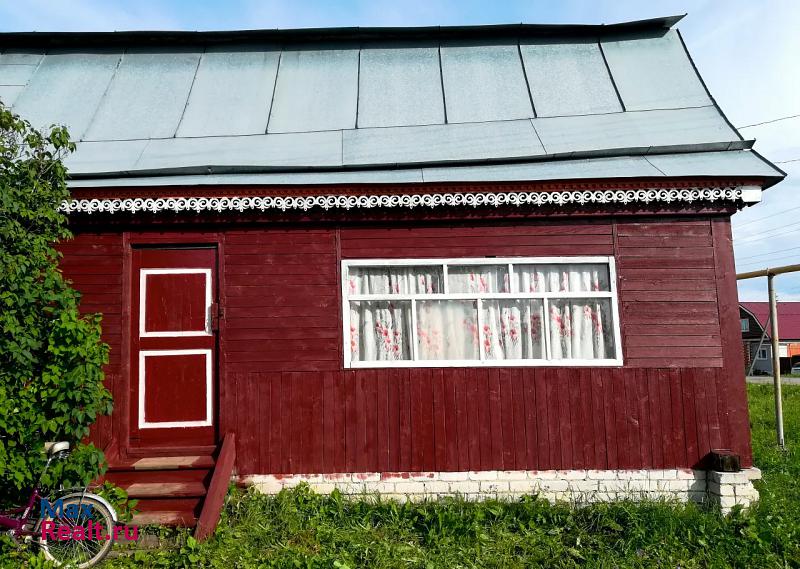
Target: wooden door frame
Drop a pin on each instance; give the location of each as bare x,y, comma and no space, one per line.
123,451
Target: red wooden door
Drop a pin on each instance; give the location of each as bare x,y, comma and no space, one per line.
174,345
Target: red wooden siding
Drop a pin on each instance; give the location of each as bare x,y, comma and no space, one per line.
528,240
668,294
94,264
281,301
476,419
295,410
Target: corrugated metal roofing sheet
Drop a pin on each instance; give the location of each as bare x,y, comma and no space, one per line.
713,164
9,93
568,78
21,57
317,89
484,82
16,69
703,164
147,95
16,74
654,72
632,130
400,85
231,92
349,99
301,150
620,167
440,143
106,157
67,89
404,176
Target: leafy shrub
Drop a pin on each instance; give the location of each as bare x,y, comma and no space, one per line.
51,357
118,498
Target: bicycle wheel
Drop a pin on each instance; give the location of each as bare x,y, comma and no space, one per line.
79,553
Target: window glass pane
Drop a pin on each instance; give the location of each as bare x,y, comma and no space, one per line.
477,278
395,280
380,330
581,328
513,329
447,329
582,277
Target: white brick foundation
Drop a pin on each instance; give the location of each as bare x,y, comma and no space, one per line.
729,489
580,486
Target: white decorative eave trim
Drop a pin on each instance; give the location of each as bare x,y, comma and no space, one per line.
369,201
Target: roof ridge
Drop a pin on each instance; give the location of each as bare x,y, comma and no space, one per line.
28,39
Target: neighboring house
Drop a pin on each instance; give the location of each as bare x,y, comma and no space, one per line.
486,260
754,318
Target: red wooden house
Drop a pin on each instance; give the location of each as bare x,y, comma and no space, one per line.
420,261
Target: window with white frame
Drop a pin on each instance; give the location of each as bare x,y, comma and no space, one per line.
763,354
745,324
488,311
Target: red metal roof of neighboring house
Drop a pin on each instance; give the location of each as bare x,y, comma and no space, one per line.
788,317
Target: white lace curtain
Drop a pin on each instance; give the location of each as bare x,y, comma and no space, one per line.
580,328
512,329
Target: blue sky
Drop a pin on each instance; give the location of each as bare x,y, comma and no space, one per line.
747,52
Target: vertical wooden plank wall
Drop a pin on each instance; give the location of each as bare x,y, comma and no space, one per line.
94,264
295,410
619,424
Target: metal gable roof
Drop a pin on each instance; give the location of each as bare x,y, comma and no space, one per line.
353,99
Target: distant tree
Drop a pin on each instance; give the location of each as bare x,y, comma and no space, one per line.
51,357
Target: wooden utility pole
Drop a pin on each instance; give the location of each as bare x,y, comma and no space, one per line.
776,352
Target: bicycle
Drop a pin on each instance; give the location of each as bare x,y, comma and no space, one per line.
56,519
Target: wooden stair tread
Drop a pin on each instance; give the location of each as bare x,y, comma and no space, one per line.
125,478
165,518
172,462
165,489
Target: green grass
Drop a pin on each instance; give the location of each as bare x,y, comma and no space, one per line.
300,529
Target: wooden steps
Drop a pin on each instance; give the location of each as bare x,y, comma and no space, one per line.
173,462
141,490
165,518
178,490
170,489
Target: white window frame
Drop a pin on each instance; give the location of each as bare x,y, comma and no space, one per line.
745,324
765,351
480,297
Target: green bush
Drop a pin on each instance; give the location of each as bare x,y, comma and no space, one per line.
51,357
